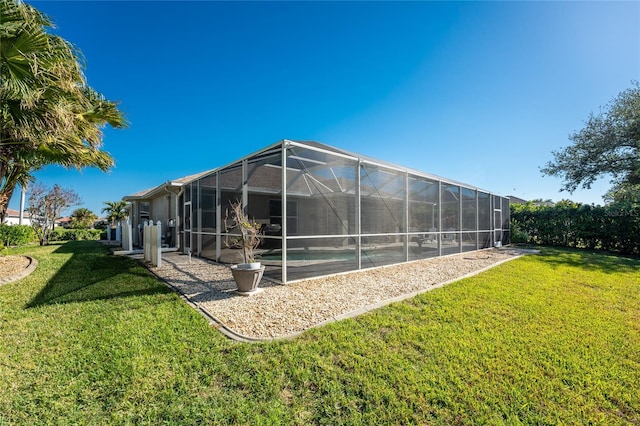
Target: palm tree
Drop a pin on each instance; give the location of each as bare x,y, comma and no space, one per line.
116,211
49,115
82,218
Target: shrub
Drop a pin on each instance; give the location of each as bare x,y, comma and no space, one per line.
615,227
16,235
518,234
61,234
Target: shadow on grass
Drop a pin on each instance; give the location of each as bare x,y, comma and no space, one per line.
610,263
91,273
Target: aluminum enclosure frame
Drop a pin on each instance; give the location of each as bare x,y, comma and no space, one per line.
326,211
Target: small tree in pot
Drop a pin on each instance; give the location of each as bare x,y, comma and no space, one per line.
249,274
249,238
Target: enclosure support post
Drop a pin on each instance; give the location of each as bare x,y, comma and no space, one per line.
218,219
439,218
284,211
406,217
245,187
358,215
477,221
459,219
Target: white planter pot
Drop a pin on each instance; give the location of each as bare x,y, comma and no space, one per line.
252,265
247,280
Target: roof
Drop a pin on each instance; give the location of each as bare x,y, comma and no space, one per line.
16,213
167,186
516,200
177,183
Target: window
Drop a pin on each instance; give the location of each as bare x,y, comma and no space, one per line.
144,211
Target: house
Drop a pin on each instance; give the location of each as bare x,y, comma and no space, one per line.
159,203
12,217
516,200
63,222
323,211
539,202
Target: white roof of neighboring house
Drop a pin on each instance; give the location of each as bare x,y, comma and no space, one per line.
12,217
16,213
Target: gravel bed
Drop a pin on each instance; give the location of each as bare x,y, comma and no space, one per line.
13,268
285,310
11,265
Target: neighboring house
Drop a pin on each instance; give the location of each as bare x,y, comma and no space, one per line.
13,217
538,202
323,211
63,222
516,200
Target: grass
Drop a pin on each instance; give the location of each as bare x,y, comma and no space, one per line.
554,338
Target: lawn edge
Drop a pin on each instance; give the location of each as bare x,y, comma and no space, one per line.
233,335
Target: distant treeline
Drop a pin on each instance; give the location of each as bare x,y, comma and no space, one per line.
614,227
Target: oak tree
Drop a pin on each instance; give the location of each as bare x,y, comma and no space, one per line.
608,145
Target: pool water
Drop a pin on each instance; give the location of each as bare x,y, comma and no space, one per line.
314,255
311,255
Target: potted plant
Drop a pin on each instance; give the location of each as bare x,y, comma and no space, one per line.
247,275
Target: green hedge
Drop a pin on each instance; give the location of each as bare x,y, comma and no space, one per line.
615,227
61,234
17,235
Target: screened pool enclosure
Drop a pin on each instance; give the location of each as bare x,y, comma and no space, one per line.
323,211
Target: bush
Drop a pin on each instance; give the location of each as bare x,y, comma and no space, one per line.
615,227
61,234
16,235
518,235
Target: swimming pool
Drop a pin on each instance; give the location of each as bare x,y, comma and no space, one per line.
310,255
330,255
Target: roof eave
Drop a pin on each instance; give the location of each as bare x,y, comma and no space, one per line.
154,192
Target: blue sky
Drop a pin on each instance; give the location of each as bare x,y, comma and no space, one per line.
479,92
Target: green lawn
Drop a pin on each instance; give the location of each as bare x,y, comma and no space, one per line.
90,338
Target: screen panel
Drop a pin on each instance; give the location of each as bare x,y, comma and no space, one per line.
382,200
485,240
484,211
323,187
450,208
383,250
313,257
468,241
449,242
469,210
423,246
423,205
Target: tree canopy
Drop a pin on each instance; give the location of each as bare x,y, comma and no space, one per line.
82,218
46,205
115,211
48,113
608,145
